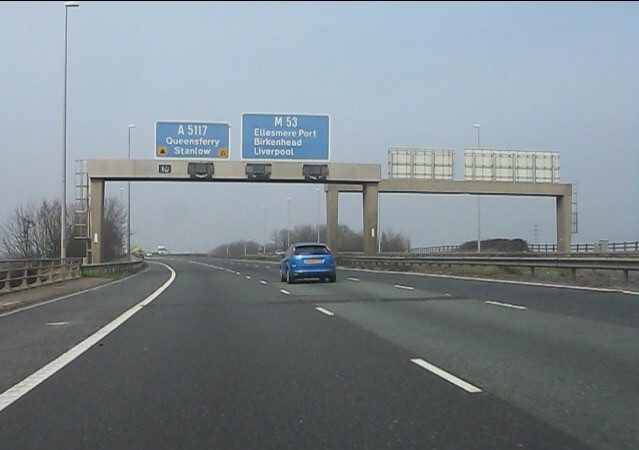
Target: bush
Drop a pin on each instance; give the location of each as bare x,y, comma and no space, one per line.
496,246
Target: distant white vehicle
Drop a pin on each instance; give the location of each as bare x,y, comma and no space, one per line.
162,250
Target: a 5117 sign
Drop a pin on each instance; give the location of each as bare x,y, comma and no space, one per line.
191,140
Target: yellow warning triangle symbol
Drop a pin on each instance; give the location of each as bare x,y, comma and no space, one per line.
222,153
161,150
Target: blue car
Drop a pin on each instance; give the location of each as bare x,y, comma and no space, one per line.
308,260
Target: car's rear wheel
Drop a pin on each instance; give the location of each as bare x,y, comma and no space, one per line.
290,279
332,278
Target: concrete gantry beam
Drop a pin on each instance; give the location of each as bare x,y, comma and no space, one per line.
411,186
562,193
235,171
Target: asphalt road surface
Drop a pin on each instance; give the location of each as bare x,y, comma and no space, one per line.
213,354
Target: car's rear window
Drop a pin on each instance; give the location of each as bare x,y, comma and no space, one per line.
311,250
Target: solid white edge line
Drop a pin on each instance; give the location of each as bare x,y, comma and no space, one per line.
495,280
23,387
446,376
505,305
325,311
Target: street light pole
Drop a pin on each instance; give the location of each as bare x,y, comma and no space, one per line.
379,230
264,230
63,212
288,225
128,227
122,206
244,233
478,198
318,214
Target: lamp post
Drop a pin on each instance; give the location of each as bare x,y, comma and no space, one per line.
379,230
63,212
288,224
122,205
318,214
128,214
244,233
264,230
476,125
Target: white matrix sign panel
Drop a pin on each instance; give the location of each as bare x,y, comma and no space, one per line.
511,166
421,164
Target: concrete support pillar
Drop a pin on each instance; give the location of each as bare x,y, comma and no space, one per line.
96,209
370,191
332,214
564,221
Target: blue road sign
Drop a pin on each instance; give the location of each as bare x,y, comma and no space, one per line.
191,140
285,137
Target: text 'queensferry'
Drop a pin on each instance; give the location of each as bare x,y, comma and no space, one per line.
193,146
267,142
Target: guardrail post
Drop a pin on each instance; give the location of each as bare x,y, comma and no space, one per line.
23,278
4,279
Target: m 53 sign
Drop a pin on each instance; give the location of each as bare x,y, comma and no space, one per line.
291,137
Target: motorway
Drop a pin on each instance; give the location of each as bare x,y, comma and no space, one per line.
219,354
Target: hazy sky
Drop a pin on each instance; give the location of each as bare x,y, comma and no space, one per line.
549,76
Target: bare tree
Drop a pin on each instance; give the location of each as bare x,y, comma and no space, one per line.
17,235
236,248
47,229
392,241
304,233
279,239
113,229
348,240
34,232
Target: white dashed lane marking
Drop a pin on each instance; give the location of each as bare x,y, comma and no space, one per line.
505,305
325,311
446,376
408,288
